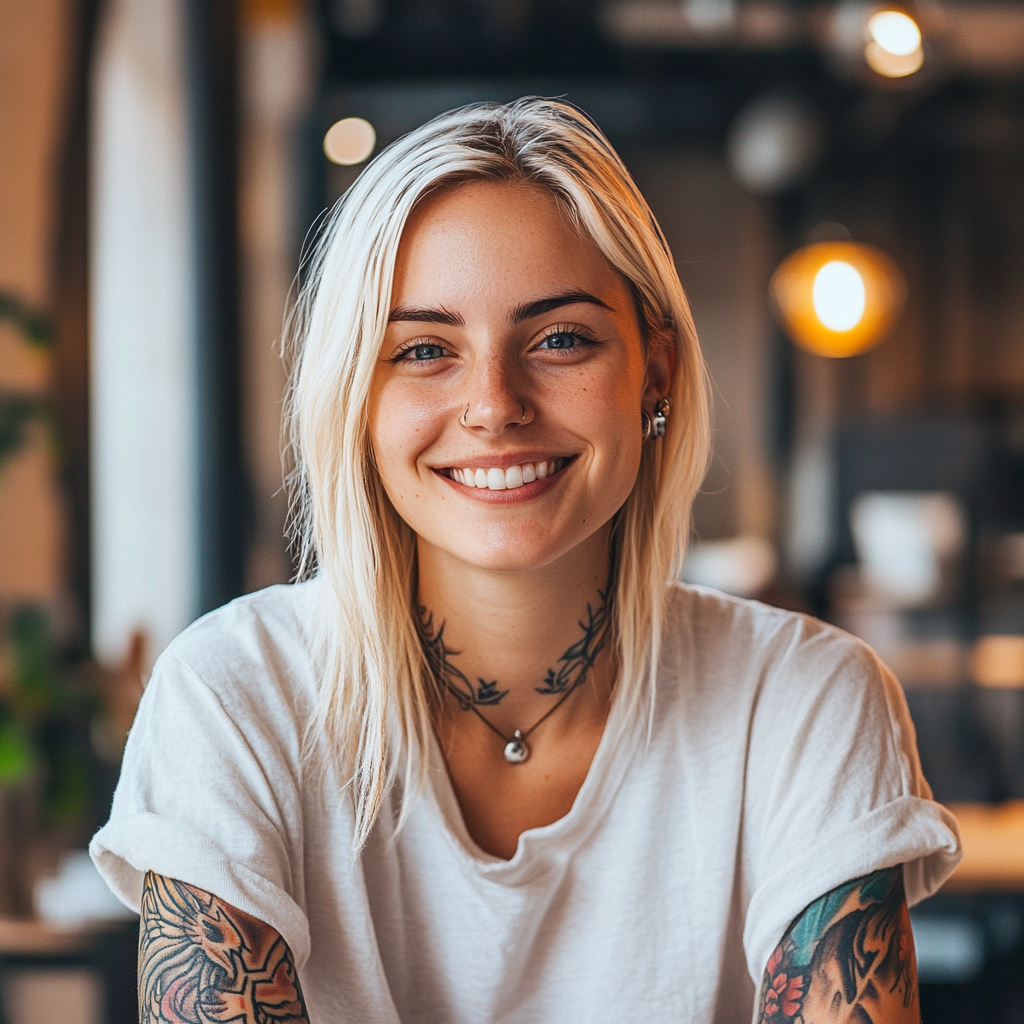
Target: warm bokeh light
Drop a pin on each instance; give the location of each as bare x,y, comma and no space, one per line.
839,296
350,141
998,661
894,49
838,299
891,65
895,32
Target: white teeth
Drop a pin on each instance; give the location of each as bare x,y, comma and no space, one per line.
507,479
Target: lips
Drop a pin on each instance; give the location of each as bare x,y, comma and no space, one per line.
508,478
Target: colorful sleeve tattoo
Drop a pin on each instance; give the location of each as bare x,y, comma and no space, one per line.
848,957
202,961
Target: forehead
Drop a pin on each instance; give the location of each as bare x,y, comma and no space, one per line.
496,238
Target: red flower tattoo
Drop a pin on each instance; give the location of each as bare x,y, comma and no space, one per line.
785,992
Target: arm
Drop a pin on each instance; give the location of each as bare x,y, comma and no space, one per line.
848,957
202,961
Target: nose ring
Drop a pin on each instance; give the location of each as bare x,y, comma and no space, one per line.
464,418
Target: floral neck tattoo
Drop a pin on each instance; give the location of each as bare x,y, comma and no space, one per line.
560,681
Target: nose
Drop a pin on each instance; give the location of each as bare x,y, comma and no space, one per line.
494,400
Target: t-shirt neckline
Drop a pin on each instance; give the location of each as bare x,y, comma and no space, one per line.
544,847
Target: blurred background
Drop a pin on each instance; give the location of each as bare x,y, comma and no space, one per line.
841,184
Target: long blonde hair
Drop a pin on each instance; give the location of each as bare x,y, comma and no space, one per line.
373,672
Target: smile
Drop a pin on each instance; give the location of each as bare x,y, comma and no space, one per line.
509,479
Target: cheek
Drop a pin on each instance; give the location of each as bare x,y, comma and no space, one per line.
608,410
624,467
401,426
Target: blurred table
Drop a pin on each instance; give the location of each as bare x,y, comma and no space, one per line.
993,843
36,939
82,975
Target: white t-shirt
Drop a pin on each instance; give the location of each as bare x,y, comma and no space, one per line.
782,763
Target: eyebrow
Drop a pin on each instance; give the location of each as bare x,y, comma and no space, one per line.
405,314
524,311
528,310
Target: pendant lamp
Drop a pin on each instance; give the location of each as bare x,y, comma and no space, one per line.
838,299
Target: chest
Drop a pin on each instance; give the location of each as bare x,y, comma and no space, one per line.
498,800
627,917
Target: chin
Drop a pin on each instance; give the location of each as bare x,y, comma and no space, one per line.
504,558
504,550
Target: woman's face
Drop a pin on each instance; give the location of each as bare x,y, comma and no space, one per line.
505,408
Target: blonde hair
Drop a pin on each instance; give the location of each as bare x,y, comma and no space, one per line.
373,672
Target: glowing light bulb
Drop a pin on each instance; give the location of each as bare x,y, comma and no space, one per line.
839,296
895,32
838,299
890,66
349,141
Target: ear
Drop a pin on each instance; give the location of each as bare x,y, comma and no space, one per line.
661,367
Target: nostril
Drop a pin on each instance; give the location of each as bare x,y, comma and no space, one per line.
522,418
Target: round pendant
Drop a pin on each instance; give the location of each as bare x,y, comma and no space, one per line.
516,750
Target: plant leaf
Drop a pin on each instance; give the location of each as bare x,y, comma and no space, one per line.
16,754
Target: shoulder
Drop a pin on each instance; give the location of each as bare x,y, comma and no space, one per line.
741,639
808,699
732,661
213,784
257,650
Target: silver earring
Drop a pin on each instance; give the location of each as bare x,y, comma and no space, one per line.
661,410
464,418
646,426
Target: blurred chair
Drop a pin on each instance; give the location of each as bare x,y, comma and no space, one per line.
909,500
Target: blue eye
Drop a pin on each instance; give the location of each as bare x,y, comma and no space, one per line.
422,353
561,341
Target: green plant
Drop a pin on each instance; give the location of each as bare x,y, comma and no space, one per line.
33,326
18,409
42,715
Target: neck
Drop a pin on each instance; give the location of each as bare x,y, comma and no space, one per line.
511,644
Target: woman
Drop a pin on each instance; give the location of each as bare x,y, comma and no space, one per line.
486,765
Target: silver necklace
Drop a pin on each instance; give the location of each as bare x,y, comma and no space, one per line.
516,748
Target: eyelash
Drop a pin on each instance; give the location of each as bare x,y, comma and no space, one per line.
400,355
580,340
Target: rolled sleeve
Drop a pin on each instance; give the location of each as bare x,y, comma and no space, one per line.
836,792
208,795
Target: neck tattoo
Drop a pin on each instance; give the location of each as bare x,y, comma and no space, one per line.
561,680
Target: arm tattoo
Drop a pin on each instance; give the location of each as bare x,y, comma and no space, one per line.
848,957
570,671
202,961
